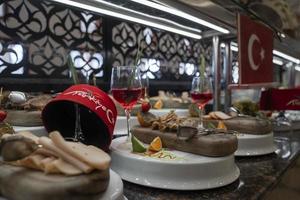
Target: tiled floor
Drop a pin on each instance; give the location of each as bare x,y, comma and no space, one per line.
289,186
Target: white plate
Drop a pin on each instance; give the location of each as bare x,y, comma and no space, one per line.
121,124
255,145
37,130
192,172
114,190
179,112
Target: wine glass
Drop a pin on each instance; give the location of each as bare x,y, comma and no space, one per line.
201,93
126,88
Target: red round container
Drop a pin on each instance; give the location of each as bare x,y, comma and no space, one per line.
97,113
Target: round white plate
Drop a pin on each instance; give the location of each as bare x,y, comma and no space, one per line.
190,172
179,112
255,145
115,188
37,130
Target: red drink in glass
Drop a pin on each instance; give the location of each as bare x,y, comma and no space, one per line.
127,97
201,98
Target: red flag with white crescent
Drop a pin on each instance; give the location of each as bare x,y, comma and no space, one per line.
255,42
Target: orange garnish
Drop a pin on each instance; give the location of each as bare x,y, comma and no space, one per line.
221,125
158,104
156,144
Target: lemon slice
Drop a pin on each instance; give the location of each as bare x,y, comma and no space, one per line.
137,145
156,144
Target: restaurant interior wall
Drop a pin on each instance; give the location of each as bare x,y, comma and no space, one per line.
36,38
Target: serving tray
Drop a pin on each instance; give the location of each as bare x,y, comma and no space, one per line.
20,183
172,169
24,118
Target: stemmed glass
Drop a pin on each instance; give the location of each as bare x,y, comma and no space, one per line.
201,93
126,88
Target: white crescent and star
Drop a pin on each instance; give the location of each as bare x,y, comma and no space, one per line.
252,39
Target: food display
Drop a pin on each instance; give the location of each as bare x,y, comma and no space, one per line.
247,107
46,166
24,109
52,168
163,147
254,134
5,128
53,154
182,134
166,100
159,105
242,124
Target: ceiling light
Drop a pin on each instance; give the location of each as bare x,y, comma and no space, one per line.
277,53
282,35
181,14
285,56
129,18
112,5
277,61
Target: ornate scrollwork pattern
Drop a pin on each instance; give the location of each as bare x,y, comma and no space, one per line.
88,63
177,57
11,59
48,32
38,36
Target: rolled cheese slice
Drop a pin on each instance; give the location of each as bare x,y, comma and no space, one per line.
59,165
29,135
91,155
49,145
32,161
46,161
45,152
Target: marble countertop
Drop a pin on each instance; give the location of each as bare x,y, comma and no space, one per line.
258,175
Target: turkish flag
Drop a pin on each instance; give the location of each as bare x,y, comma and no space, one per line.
255,51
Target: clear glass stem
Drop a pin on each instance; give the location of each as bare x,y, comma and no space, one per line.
127,112
78,136
200,123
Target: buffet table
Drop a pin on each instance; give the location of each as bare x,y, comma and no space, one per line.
258,175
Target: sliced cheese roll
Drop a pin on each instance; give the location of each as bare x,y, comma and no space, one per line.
59,165
91,155
49,145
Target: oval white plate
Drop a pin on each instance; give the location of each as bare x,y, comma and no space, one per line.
255,145
114,190
193,172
